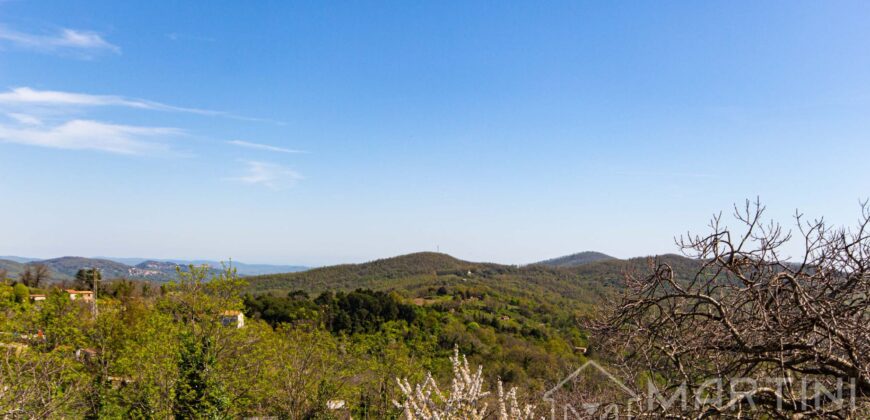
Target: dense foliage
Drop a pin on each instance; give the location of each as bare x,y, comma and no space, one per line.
168,351
340,337
359,311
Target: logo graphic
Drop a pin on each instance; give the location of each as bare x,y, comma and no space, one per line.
592,392
565,404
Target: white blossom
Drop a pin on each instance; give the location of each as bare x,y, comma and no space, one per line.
466,399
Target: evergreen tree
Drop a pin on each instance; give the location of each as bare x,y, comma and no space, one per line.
85,278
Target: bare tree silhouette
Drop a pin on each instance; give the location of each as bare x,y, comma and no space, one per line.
752,315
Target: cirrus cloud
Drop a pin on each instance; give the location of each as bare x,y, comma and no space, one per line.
259,146
90,135
26,96
84,44
51,118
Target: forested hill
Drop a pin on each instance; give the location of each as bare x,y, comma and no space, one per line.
11,268
370,274
65,268
574,260
414,275
68,266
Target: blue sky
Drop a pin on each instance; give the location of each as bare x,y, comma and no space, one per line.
324,132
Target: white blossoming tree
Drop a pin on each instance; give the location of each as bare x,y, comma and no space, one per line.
466,400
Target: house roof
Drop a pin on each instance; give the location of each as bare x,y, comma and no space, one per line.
231,313
79,292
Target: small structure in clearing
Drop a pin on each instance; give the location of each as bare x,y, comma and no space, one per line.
233,318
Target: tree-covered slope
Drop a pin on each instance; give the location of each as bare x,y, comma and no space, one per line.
414,275
12,268
574,260
68,266
366,275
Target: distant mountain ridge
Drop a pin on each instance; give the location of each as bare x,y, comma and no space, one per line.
245,269
13,268
65,268
21,260
71,265
574,260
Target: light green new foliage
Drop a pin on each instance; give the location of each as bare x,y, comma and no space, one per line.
170,356
7,298
62,321
196,298
22,293
40,384
382,358
134,373
299,371
196,305
150,360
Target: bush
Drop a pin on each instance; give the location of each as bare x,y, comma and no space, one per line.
21,292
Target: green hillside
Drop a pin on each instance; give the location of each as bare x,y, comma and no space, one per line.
574,260
413,276
13,268
372,274
527,321
68,266
364,325
56,272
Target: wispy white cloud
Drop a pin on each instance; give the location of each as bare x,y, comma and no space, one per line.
259,146
84,43
270,175
24,118
90,135
26,96
29,96
51,118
